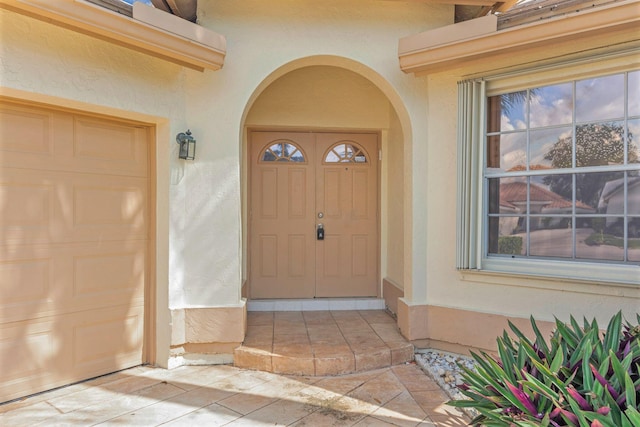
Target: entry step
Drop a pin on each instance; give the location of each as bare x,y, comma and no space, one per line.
316,304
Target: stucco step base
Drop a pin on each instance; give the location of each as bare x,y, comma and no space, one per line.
196,359
316,304
335,363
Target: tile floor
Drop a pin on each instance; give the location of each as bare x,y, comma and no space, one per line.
401,395
377,385
321,342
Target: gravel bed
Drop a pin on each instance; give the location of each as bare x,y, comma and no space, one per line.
444,368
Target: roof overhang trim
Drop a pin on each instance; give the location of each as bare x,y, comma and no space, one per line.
437,50
151,31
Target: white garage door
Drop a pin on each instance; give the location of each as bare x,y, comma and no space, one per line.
74,208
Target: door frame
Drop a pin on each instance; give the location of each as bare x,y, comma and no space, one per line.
246,288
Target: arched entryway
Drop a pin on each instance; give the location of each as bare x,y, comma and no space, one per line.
319,131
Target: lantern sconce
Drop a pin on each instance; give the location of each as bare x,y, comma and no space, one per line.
187,145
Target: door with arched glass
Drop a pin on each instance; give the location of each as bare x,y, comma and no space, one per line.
313,214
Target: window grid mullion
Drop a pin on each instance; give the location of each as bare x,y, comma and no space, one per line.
625,145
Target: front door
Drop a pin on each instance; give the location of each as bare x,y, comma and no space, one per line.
313,215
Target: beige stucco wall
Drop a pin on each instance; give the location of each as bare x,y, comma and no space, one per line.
393,159
200,215
500,294
265,42
321,97
271,46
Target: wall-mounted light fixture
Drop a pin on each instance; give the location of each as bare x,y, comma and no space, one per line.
187,145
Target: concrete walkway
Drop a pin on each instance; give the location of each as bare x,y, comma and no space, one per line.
400,395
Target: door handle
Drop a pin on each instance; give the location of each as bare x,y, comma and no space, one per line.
320,232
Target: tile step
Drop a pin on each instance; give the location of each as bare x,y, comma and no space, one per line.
316,304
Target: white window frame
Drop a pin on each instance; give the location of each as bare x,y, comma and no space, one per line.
472,211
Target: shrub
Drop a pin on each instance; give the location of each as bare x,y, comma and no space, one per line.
580,378
510,245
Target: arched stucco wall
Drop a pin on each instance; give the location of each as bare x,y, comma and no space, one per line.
266,41
308,93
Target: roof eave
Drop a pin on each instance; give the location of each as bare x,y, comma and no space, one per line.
151,31
610,24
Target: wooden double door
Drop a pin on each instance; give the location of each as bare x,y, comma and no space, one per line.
313,214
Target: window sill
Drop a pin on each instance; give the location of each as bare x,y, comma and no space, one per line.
150,31
601,279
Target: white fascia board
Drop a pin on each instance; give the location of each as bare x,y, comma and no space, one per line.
183,43
424,52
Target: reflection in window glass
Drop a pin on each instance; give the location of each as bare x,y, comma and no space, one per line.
297,156
596,239
508,112
601,98
633,149
564,175
283,152
507,151
551,147
269,156
601,192
633,238
551,105
550,236
634,93
508,195
510,237
633,192
600,144
276,149
551,194
345,153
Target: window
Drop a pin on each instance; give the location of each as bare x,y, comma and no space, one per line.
345,152
283,151
550,175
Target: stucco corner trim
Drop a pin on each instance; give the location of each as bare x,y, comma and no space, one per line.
440,49
149,31
391,292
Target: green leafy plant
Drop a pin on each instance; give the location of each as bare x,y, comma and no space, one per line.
580,377
510,245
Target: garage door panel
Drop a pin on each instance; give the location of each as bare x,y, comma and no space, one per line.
63,349
16,354
25,281
25,131
104,145
25,204
93,342
100,274
113,205
53,207
115,209
35,355
49,280
59,141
